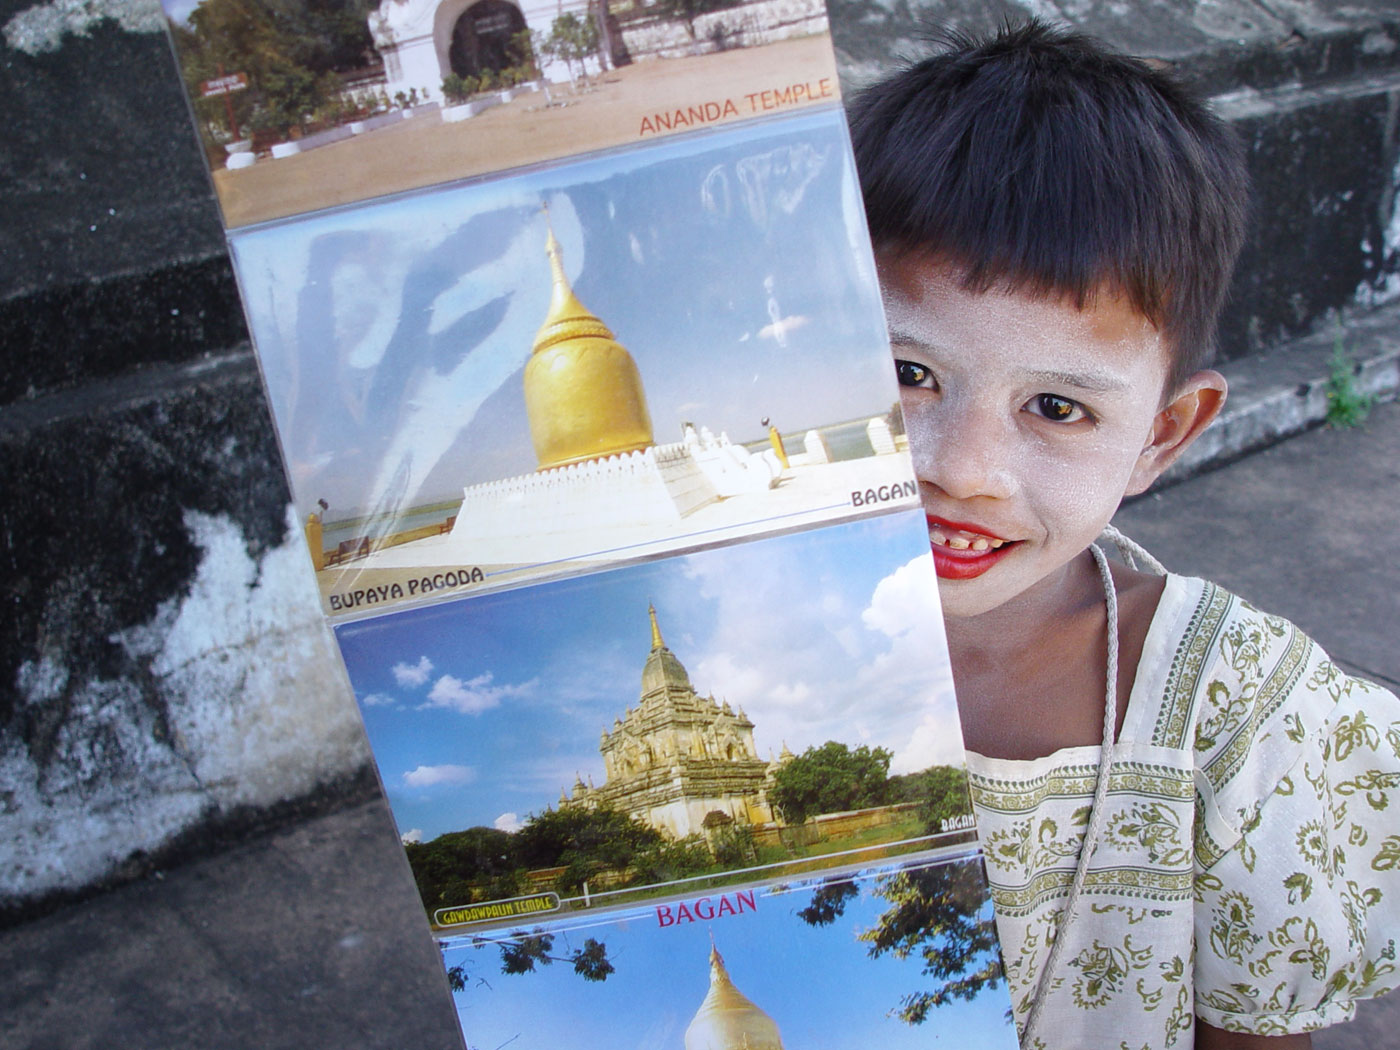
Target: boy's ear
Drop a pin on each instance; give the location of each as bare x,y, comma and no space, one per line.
1192,408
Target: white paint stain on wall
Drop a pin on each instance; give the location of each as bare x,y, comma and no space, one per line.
42,27
1386,287
257,711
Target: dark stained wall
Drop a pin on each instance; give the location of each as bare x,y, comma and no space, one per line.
165,679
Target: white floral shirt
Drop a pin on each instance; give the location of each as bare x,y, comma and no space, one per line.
1248,871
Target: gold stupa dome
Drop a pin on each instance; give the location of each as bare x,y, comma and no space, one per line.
583,393
728,1019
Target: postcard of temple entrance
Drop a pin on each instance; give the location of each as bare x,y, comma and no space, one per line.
835,961
583,366
735,715
303,111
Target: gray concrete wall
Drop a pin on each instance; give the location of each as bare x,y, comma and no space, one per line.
166,680
166,683
1313,86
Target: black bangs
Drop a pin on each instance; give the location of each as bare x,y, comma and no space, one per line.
1038,161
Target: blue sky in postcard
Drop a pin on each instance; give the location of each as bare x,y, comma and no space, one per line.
481,711
818,983
733,266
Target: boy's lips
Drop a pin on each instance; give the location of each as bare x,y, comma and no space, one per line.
962,551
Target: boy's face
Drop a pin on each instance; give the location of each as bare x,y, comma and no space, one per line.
1028,421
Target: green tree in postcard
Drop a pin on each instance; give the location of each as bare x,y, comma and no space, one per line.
938,915
571,40
941,792
573,834
291,51
832,778
465,866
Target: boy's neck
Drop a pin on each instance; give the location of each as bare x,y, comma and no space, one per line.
1030,673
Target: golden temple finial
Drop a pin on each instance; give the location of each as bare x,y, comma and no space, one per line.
728,1019
583,393
567,317
656,640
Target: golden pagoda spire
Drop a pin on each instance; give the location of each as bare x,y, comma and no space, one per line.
656,640
583,393
728,1019
567,317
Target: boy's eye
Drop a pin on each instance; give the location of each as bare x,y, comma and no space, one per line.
911,373
1057,409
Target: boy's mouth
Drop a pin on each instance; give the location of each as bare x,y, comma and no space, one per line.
962,552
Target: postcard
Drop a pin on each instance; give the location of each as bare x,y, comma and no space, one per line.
748,712
304,108
895,957
647,351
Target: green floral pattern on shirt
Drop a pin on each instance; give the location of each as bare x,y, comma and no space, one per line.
1247,870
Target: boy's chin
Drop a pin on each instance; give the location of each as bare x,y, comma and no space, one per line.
967,599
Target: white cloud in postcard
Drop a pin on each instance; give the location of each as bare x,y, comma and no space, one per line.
473,696
936,741
433,776
782,327
412,675
905,599
904,608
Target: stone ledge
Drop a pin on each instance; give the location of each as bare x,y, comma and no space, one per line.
166,676
1276,395
67,335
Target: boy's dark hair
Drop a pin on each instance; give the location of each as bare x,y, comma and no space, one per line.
1039,161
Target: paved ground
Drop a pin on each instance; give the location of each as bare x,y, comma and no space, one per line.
313,936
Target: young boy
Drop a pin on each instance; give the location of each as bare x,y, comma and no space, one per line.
1182,801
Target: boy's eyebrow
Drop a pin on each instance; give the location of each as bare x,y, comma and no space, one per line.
1097,382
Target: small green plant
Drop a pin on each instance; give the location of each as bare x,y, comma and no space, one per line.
458,89
1347,406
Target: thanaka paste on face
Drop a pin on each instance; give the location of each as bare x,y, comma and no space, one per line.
983,457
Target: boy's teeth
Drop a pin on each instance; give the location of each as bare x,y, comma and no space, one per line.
964,542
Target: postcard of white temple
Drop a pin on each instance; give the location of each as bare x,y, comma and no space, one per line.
304,109
811,963
599,362
737,714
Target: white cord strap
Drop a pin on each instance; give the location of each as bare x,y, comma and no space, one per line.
1134,554
1096,813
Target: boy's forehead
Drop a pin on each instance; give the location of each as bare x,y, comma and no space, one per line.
928,303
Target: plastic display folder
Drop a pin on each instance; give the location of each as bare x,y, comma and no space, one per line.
568,320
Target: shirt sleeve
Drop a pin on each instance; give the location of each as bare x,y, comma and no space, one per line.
1298,855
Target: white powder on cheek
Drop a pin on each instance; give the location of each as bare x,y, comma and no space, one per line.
984,454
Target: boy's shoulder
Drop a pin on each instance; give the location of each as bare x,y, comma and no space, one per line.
1226,668
1251,695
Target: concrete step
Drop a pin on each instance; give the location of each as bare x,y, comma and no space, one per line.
1284,392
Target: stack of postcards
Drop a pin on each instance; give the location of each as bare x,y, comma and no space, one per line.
569,323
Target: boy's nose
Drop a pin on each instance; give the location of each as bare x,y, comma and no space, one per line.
959,448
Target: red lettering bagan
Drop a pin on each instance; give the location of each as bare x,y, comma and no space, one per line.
705,908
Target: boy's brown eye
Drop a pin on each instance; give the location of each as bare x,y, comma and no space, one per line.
1057,409
911,373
